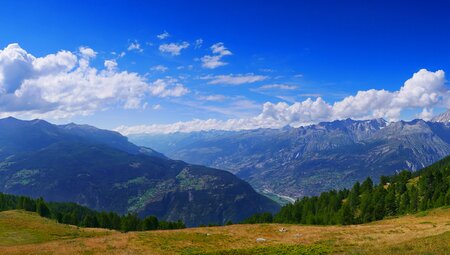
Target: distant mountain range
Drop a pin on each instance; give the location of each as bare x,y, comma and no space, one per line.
295,162
102,170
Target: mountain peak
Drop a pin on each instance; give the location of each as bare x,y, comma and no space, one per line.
443,117
9,119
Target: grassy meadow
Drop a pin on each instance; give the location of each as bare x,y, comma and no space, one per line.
424,233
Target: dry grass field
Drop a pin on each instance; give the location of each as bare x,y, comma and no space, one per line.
424,233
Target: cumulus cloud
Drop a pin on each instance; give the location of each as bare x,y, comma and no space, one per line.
168,87
424,91
173,48
64,84
163,35
110,64
215,60
234,79
135,46
425,114
87,52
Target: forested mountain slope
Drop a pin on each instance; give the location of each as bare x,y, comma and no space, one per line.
103,171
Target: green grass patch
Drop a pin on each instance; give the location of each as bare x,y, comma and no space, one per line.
270,250
422,214
21,227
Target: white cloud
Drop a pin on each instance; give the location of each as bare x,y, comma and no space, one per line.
278,86
110,64
213,61
62,85
423,91
168,87
135,46
173,48
310,95
219,48
198,43
234,79
214,98
156,107
163,35
87,52
426,114
159,68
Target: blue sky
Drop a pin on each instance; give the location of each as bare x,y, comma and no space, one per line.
271,52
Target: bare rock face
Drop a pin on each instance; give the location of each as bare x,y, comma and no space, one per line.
443,117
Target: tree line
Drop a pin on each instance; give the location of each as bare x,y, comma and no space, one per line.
399,194
73,214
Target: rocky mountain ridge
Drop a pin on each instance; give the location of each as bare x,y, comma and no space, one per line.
308,160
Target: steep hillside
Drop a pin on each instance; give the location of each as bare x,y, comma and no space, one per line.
308,160
103,171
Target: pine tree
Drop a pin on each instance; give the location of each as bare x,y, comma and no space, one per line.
130,222
150,223
447,197
404,203
104,220
367,186
89,221
346,213
42,208
354,196
414,199
391,202
367,207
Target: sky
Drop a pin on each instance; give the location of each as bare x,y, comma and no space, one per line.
168,66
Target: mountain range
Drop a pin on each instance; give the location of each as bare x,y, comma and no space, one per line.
295,162
102,170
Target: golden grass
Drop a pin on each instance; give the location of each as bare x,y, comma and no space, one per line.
21,227
414,234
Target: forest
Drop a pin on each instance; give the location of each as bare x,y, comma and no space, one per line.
74,214
403,193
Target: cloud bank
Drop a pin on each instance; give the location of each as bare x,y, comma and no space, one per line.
65,84
424,90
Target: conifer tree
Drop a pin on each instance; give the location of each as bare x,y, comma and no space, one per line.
42,208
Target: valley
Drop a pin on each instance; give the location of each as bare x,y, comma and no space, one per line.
308,160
